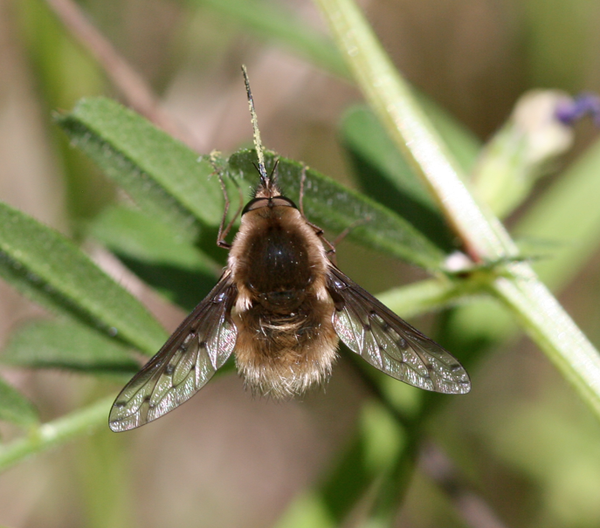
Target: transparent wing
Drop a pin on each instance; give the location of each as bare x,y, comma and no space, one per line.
389,343
190,357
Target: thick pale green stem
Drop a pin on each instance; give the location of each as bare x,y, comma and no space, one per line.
482,234
392,100
553,330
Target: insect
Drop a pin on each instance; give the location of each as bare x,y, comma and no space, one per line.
281,306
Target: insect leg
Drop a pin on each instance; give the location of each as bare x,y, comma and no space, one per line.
224,229
348,229
341,236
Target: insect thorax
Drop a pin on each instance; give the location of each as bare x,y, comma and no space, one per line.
277,258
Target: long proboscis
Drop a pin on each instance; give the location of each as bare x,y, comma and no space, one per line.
257,141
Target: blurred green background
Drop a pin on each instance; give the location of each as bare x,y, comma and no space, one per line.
522,438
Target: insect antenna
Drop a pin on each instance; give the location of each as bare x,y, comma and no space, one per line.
267,181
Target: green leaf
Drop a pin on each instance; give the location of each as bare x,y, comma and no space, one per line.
133,233
51,270
156,254
15,408
67,345
163,176
334,207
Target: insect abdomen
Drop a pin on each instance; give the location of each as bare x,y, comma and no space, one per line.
282,356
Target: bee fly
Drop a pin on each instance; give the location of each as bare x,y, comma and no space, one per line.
281,306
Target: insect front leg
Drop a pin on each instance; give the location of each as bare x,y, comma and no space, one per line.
224,229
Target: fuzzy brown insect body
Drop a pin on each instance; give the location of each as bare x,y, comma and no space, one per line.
281,307
286,340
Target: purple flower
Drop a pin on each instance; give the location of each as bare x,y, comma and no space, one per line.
569,111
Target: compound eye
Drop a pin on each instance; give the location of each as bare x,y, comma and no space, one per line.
282,201
259,203
256,203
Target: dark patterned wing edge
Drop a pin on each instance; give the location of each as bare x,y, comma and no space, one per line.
189,358
390,344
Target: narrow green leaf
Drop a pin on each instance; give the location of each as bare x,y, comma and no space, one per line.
157,255
52,271
163,176
334,207
15,408
133,233
67,345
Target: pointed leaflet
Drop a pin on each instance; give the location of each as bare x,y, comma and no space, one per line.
51,270
66,344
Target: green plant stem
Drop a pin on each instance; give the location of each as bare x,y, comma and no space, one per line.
393,102
427,295
483,236
553,330
56,432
